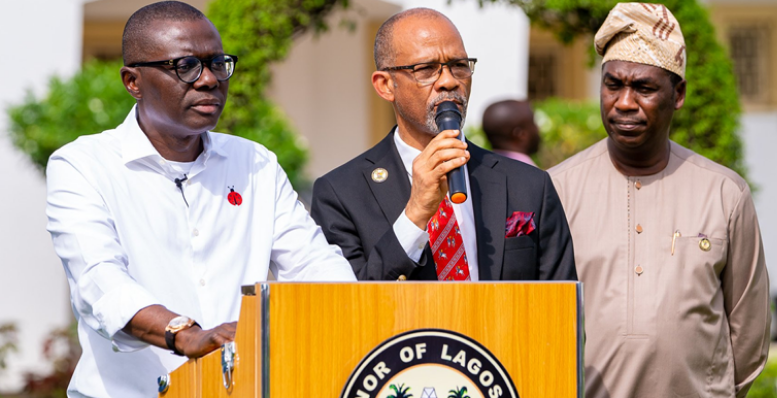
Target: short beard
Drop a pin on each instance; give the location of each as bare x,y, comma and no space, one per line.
431,123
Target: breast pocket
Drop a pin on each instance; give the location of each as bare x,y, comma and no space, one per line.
520,259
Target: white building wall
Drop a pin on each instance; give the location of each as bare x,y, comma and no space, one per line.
759,135
39,38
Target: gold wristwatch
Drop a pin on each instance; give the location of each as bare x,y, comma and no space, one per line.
176,325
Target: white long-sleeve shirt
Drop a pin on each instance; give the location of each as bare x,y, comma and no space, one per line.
127,240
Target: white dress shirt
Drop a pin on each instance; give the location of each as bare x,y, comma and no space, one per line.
413,239
128,240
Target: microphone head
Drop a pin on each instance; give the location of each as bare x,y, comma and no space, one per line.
448,116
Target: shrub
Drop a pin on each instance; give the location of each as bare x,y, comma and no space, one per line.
91,101
566,128
94,99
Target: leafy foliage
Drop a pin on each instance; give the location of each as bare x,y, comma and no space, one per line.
765,386
709,120
261,32
93,100
61,350
258,31
566,128
400,392
458,393
8,342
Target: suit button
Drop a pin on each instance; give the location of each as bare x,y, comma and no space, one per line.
402,278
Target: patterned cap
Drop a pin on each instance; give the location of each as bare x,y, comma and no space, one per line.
643,33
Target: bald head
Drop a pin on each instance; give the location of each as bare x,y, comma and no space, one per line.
509,125
143,22
383,50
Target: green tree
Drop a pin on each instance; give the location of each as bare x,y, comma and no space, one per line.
709,120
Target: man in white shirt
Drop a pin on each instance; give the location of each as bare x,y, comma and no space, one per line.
160,221
388,208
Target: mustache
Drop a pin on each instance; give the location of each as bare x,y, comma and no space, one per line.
449,96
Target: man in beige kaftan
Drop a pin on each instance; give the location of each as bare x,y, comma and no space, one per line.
666,241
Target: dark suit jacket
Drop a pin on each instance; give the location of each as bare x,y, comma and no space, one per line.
358,213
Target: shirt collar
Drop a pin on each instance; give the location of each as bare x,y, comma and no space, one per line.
406,152
135,144
521,157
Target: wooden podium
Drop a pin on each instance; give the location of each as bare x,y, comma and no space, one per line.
307,339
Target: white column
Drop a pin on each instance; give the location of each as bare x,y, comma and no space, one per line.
759,136
40,38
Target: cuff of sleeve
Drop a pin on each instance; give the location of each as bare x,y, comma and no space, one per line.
410,237
117,307
122,342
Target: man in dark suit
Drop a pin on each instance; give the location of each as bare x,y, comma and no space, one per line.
383,207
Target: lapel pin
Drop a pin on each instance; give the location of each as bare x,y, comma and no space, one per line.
704,243
379,175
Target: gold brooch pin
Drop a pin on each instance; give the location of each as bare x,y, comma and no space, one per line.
379,175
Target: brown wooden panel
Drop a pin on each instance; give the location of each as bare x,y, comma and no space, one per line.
202,378
320,332
185,382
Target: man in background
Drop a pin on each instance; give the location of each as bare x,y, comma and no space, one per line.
160,221
510,128
666,241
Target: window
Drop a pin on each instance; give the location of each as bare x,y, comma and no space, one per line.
542,76
750,53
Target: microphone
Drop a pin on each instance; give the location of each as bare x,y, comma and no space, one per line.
448,117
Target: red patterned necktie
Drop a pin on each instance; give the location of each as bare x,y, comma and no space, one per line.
447,245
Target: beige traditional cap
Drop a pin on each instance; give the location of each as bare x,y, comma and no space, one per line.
643,33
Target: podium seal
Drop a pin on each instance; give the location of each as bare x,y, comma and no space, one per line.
429,363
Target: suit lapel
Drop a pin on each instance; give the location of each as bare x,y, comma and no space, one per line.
489,203
391,194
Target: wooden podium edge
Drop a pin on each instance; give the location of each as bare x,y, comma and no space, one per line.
264,338
580,340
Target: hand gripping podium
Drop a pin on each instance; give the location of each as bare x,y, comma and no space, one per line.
396,340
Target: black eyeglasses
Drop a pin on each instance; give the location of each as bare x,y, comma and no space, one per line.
428,72
189,69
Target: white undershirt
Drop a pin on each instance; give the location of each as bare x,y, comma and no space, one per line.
413,239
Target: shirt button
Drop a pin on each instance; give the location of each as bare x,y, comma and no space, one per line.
639,229
202,282
162,162
638,270
638,184
188,182
196,232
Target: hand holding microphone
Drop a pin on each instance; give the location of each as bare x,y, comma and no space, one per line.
448,117
444,153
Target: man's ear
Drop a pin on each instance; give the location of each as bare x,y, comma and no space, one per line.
131,79
383,83
679,92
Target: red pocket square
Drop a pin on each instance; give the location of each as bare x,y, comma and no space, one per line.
520,223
